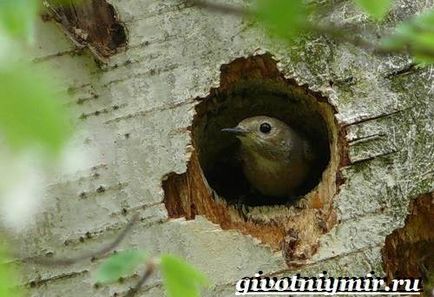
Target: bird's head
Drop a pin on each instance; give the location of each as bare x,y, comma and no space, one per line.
262,133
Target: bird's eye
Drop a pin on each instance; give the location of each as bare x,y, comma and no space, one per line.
265,128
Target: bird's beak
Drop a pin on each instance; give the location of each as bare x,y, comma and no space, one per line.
237,131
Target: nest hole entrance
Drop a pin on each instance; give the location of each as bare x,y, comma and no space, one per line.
214,184
218,152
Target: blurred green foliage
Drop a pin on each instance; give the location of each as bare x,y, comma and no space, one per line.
416,35
377,9
282,17
180,278
8,275
120,265
31,111
17,17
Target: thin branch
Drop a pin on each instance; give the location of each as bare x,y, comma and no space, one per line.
337,33
332,31
220,8
150,268
340,33
88,255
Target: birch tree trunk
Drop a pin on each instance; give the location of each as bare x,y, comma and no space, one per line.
137,110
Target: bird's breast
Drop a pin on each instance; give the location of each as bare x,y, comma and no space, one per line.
273,177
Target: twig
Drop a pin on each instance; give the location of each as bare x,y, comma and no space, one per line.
221,8
334,32
88,255
150,268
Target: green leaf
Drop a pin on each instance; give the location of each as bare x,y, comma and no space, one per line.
377,9
284,18
119,265
180,278
8,276
415,35
17,17
31,111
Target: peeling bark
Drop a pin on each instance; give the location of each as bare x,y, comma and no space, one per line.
409,251
91,23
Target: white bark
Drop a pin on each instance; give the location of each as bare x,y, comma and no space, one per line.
174,55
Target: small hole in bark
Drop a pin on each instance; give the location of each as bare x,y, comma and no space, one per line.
214,181
100,189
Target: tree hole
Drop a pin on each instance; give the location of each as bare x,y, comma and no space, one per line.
215,185
219,153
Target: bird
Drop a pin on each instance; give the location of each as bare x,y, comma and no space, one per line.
275,159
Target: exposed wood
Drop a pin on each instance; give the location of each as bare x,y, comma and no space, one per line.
409,251
91,23
293,227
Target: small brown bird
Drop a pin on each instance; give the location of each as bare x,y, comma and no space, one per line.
276,160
